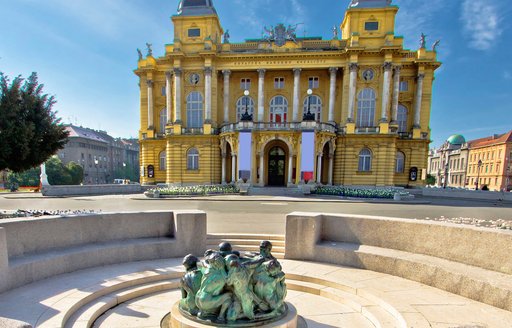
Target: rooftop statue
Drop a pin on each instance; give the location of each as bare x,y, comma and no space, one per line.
280,34
227,288
226,36
423,41
150,50
140,54
435,45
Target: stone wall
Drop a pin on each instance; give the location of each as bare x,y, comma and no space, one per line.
111,189
32,249
468,194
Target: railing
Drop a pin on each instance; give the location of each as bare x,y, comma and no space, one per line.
367,130
192,130
405,135
273,126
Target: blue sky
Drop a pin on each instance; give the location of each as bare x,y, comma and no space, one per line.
85,51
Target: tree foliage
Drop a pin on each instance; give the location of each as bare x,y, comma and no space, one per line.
58,174
30,132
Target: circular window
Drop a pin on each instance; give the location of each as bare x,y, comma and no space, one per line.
194,78
368,74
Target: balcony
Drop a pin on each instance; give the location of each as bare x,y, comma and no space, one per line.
273,126
367,130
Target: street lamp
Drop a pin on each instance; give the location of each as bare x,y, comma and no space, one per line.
308,116
246,116
445,175
478,173
97,173
124,170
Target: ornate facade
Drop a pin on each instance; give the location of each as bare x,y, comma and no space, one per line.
352,110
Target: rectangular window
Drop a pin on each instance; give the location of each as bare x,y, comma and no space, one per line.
314,82
279,83
194,32
245,84
404,86
371,26
164,91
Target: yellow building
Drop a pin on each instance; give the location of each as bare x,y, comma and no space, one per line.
352,110
489,162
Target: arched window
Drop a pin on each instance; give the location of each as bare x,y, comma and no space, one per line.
315,106
163,161
193,159
241,104
195,110
365,160
402,119
163,120
366,108
400,162
278,109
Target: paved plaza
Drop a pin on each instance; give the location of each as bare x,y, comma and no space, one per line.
238,214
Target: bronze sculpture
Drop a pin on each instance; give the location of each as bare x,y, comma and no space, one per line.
227,288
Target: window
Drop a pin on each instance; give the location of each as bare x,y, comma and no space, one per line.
279,83
192,159
401,118
194,32
365,160
163,120
163,160
366,108
242,104
404,86
195,110
164,91
313,82
278,109
400,162
315,106
371,26
245,84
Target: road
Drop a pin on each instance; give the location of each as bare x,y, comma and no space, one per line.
238,214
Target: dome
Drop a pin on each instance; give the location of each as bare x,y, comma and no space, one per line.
456,139
369,3
196,8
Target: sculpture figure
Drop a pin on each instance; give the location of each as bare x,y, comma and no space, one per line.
210,298
435,45
150,50
291,34
334,32
269,286
423,41
190,284
226,36
140,54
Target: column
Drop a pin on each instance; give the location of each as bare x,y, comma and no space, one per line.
223,168
208,95
319,170
290,170
168,96
332,93
331,165
150,104
233,167
227,74
352,91
261,94
262,180
396,94
385,91
419,97
177,95
296,91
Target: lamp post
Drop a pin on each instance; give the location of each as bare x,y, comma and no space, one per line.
479,165
246,116
124,171
97,173
308,116
445,175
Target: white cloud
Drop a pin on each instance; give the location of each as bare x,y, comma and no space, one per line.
481,23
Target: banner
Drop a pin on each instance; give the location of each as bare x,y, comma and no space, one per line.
307,162
245,156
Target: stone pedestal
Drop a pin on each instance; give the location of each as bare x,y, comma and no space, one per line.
177,320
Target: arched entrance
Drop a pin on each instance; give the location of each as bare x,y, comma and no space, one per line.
276,166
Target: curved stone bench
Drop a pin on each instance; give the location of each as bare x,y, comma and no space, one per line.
468,261
37,248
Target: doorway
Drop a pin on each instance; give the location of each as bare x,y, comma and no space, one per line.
276,166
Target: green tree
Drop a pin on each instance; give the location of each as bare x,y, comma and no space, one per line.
57,172
30,132
431,180
29,178
76,172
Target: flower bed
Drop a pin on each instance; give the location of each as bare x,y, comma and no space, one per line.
202,190
387,193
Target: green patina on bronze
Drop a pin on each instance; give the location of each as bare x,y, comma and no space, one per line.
230,290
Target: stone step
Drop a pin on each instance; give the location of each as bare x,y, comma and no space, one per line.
247,242
275,191
246,237
247,248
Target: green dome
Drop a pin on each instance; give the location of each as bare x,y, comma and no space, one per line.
456,139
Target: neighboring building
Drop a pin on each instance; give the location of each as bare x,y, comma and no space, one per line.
448,163
495,169
368,101
3,178
102,157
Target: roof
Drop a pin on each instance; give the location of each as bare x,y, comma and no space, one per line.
456,139
491,140
369,3
80,132
196,8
